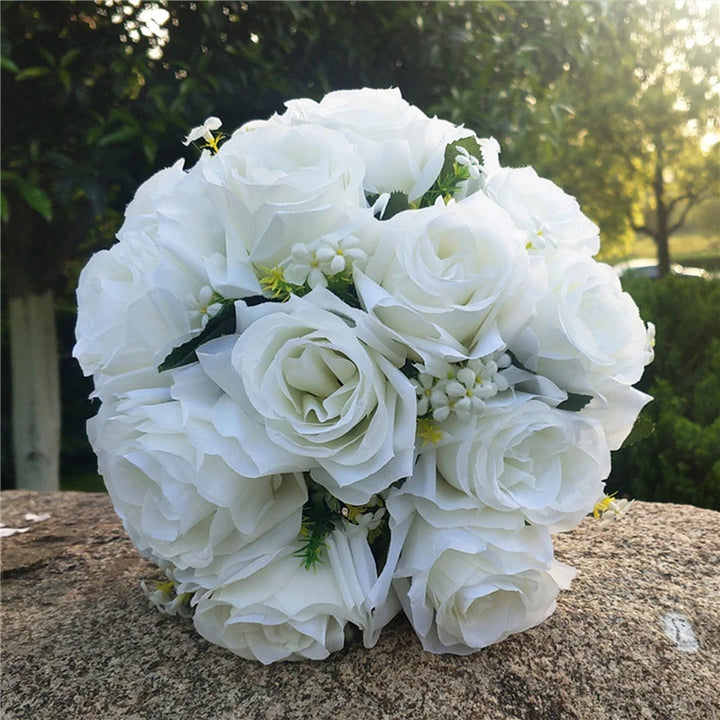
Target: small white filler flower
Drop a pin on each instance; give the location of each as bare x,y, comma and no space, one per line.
203,306
204,132
469,161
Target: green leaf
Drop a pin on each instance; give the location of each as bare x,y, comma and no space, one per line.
469,143
7,64
341,285
642,429
575,402
35,198
516,362
60,159
8,176
93,134
149,148
397,203
65,78
221,324
48,57
371,198
5,212
119,136
32,73
69,56
451,174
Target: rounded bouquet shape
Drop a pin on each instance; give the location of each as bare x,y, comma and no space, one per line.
350,365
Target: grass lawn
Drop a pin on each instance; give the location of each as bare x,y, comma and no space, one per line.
691,249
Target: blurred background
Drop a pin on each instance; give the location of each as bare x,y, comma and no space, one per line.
617,102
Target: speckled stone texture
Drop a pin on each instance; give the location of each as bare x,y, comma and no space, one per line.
79,640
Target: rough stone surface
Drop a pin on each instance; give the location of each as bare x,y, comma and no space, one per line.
79,640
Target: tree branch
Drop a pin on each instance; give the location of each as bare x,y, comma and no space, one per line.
681,220
693,199
643,229
690,196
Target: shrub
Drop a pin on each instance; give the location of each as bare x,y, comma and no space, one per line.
680,461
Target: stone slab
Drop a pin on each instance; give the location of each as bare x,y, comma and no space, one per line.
636,637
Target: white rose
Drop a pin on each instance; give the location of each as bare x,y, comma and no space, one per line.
469,576
218,418
549,217
129,316
172,210
190,229
284,611
276,186
586,329
317,372
141,213
403,149
616,406
184,506
546,463
154,289
450,281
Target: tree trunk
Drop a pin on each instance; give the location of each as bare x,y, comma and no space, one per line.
661,235
662,240
35,391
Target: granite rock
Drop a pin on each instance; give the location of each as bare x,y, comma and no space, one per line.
636,637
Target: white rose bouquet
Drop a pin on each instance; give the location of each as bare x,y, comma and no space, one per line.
348,364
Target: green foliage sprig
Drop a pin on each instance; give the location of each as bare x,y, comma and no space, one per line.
323,513
341,284
452,174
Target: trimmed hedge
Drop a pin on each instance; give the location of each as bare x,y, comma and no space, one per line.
680,461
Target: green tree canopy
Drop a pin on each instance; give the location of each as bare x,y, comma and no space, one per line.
645,94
